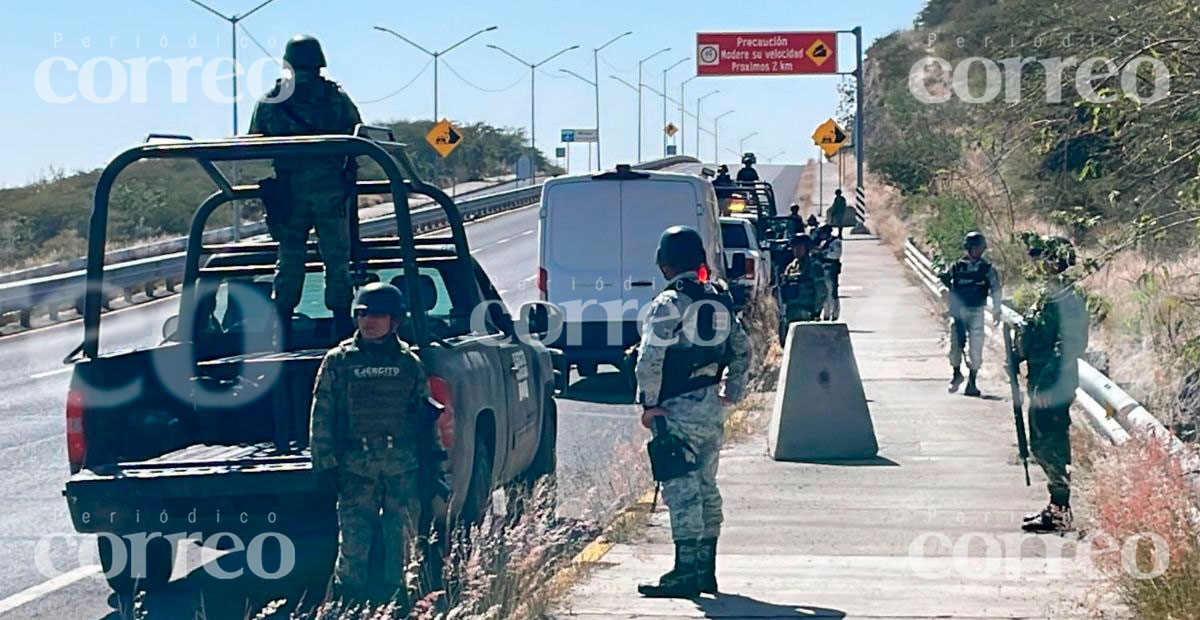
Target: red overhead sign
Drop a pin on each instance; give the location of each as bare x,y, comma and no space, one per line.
765,53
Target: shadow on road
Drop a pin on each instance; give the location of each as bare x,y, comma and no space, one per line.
738,606
879,461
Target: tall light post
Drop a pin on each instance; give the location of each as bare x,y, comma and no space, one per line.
664,98
532,80
596,84
742,142
436,57
716,133
771,158
233,23
639,81
683,116
698,102
595,87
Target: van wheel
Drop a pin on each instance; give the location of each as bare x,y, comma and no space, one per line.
479,493
160,559
587,369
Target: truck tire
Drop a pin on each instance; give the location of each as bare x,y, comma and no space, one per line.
160,559
479,492
587,369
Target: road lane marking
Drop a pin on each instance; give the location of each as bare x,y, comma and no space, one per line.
46,587
50,373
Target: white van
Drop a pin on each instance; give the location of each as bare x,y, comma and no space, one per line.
598,235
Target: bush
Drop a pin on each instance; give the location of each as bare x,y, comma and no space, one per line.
951,218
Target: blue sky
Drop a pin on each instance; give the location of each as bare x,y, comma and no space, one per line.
83,134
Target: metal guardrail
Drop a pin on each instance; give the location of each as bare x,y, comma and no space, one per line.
53,293
1111,411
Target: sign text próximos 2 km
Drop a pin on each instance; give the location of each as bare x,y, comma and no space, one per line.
765,53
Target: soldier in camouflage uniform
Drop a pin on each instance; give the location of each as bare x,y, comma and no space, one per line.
317,187
1054,337
371,425
969,282
802,286
681,382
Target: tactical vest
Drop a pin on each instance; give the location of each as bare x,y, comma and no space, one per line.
684,359
312,109
378,395
969,286
799,288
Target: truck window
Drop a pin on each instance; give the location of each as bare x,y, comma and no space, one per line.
733,235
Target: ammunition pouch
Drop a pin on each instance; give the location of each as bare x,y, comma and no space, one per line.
276,195
670,456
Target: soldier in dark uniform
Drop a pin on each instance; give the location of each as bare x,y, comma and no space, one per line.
748,174
372,425
316,189
1054,337
970,281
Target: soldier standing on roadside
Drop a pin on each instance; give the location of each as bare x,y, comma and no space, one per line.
310,192
372,426
829,249
683,353
970,280
1051,342
802,286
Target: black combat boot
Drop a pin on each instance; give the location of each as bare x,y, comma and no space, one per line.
1055,518
972,389
706,565
955,381
681,581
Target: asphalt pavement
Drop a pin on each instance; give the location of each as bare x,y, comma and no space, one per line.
50,572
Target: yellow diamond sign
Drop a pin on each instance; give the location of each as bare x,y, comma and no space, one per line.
830,137
671,129
818,52
444,138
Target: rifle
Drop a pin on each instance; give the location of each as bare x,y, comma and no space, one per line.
1018,414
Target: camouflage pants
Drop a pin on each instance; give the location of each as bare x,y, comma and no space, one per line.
967,327
325,211
794,313
694,500
1050,442
375,494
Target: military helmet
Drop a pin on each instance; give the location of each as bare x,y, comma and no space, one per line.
974,239
723,169
680,247
802,239
380,298
304,52
749,159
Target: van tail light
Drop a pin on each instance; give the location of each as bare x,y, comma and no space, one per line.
439,389
750,267
542,278
76,443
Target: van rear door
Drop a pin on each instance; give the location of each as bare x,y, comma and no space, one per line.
648,208
581,247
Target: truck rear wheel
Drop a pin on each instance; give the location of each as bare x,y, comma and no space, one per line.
479,493
543,467
160,559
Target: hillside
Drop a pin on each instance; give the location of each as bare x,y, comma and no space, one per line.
47,220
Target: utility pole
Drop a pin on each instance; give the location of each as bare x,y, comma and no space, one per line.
664,98
436,57
683,116
596,83
233,23
742,143
716,130
639,87
533,66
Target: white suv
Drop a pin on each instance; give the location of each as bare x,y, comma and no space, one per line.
746,265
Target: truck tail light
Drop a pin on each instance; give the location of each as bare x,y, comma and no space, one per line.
750,267
76,444
439,389
542,278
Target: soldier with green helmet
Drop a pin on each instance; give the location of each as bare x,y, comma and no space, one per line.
802,286
373,426
1051,342
693,356
970,280
311,192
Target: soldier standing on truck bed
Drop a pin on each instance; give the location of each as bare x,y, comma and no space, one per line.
690,339
373,426
310,192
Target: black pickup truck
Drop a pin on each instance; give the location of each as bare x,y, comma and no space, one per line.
208,432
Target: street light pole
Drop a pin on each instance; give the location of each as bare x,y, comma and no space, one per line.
596,84
698,102
594,87
683,116
532,79
664,98
639,87
233,23
771,158
716,130
436,57
742,142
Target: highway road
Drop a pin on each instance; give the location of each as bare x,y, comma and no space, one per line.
35,528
